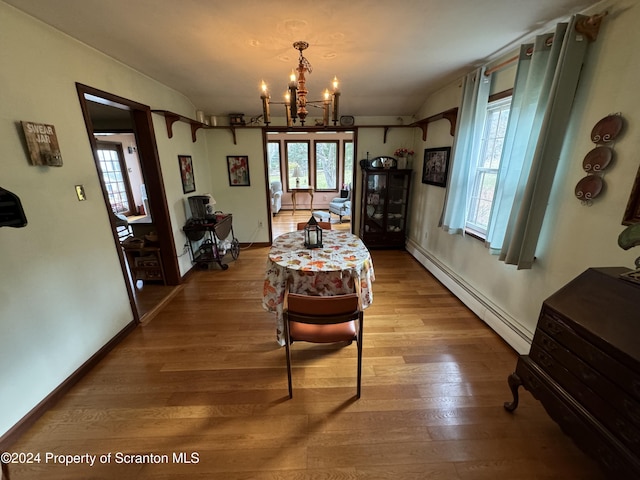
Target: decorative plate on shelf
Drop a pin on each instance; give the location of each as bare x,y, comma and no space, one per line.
347,120
607,129
597,159
589,187
383,162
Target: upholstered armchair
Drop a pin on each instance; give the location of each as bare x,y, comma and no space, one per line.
276,197
341,205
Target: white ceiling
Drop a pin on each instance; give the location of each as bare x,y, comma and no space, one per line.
388,54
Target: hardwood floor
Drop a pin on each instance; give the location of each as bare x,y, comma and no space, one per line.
206,378
284,221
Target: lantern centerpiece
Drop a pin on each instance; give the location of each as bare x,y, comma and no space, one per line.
312,234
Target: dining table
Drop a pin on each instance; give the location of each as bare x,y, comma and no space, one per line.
330,269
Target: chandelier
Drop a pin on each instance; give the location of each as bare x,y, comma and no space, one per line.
295,98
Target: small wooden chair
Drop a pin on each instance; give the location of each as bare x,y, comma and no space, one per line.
323,319
322,225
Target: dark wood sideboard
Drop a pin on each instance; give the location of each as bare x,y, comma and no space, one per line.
584,366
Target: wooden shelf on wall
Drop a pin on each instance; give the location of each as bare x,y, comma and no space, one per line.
171,118
451,115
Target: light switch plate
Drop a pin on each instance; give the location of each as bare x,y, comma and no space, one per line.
80,192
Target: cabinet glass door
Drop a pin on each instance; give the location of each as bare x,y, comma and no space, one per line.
397,202
376,188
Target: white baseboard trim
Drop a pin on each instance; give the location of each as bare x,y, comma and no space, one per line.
500,322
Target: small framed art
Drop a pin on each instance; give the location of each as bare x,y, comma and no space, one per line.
436,166
238,168
186,174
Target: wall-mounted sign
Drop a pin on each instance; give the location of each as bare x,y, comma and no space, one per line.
42,143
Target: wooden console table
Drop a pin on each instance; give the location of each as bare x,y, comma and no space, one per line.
295,190
584,366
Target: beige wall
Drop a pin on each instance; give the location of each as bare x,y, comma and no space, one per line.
62,293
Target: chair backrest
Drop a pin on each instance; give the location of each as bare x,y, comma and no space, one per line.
323,319
276,186
322,225
322,310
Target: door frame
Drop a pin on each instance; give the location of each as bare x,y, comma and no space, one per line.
151,171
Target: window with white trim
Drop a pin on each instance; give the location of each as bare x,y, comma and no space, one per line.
485,173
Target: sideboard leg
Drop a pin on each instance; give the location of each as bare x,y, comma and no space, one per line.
514,382
5,471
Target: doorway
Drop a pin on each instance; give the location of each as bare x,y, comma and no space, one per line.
105,113
318,159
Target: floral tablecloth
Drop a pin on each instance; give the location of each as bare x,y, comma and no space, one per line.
330,270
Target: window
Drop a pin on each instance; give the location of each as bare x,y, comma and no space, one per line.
326,165
114,176
273,159
485,173
297,163
347,174
324,160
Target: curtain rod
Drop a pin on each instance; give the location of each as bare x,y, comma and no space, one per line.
501,65
588,26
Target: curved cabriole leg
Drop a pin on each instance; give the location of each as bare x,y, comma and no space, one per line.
514,382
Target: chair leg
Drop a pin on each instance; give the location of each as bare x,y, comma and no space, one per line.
359,345
289,368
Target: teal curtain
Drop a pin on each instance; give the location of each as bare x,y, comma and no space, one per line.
466,148
546,82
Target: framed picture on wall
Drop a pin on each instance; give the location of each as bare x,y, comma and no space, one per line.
436,166
186,173
238,168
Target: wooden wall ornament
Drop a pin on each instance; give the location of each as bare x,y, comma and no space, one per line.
603,133
42,143
607,129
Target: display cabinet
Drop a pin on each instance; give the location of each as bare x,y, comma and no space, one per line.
385,197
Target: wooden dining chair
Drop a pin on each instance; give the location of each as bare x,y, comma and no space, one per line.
323,319
322,225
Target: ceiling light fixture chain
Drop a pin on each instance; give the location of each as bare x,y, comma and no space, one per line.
296,96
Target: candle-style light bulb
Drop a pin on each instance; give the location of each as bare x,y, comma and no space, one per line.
287,108
266,111
292,79
335,83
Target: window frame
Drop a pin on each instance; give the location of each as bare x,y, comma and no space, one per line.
344,172
315,165
311,180
282,137
495,101
116,147
269,172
